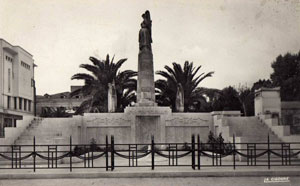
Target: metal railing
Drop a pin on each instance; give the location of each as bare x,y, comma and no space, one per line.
109,156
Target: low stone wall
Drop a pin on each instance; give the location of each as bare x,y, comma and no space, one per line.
178,127
181,126
98,125
63,127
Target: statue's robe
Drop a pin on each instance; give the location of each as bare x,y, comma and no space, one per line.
144,38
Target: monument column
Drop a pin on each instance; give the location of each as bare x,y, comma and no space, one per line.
145,85
147,118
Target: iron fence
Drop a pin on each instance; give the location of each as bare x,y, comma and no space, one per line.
111,155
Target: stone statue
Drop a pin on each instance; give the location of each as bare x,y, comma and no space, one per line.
112,97
145,35
180,98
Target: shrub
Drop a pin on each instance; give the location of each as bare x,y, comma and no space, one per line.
79,150
216,144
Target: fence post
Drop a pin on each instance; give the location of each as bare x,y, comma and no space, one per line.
289,154
12,156
71,154
112,153
193,151
234,150
220,154
20,153
198,154
34,153
269,152
152,152
106,152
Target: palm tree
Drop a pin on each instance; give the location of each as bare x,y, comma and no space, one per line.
95,86
188,78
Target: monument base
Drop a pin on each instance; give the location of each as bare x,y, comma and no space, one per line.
146,103
148,121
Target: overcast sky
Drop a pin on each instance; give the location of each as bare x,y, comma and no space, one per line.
237,39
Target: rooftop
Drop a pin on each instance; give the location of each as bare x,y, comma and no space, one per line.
17,46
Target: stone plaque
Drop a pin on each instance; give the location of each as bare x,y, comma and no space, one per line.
145,127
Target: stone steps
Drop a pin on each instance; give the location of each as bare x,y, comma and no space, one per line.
251,130
44,136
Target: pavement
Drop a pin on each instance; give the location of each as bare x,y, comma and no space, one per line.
189,181
145,172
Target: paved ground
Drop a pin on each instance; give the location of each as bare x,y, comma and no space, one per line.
257,176
205,181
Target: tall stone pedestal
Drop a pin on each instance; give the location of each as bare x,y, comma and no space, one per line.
145,86
148,121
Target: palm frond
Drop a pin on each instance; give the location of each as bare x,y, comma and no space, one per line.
96,83
186,75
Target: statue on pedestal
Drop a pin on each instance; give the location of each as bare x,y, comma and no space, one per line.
145,37
145,84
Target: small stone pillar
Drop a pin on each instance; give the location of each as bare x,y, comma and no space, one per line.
112,97
180,98
267,101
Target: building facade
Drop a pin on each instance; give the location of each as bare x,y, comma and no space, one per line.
17,87
60,101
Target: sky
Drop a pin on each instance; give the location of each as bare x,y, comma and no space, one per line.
237,39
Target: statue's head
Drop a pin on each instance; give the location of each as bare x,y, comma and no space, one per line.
146,15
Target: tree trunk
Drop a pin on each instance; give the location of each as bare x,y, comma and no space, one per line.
245,109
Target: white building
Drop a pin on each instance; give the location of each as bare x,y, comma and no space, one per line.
17,87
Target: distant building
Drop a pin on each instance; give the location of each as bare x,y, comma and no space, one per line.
57,101
16,84
268,102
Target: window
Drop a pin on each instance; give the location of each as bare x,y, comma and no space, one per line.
29,105
8,59
20,103
15,103
8,122
25,104
9,80
25,65
8,102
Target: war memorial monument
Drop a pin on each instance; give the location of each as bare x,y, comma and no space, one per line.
83,140
145,119
139,122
